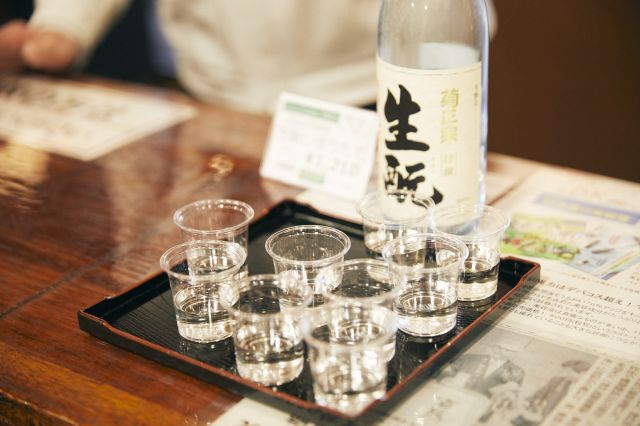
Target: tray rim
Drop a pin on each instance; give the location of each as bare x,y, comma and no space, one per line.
100,328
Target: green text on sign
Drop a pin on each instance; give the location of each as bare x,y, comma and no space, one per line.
314,112
311,176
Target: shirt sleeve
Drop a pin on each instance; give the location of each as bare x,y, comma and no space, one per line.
86,21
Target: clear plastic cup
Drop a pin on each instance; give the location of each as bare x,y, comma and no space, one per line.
266,310
360,282
347,356
215,219
196,270
428,270
481,228
387,215
305,250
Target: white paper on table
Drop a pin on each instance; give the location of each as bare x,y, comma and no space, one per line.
248,412
497,185
79,120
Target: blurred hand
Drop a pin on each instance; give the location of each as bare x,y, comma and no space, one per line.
12,37
39,49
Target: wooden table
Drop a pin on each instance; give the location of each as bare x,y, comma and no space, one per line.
73,233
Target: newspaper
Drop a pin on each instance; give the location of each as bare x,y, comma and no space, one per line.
564,351
568,350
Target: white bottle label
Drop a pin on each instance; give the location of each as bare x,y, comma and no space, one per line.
430,130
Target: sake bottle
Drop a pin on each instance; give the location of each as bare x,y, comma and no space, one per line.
432,98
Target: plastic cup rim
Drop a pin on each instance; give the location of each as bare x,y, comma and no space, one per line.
213,201
418,197
357,300
307,327
164,265
237,285
472,208
341,236
452,239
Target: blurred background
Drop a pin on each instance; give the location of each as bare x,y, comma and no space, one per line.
564,85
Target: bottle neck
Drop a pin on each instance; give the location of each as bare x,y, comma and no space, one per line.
432,34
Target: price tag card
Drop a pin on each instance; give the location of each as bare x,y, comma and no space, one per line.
322,146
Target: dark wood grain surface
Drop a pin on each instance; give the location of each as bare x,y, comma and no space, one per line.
72,233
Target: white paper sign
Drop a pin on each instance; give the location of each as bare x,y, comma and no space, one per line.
78,120
321,145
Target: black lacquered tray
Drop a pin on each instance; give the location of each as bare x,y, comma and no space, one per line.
143,321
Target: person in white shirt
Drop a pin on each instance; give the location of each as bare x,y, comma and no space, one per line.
240,53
